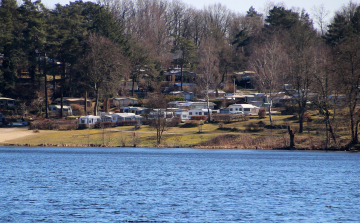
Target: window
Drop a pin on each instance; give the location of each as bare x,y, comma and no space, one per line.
184,116
231,109
190,113
200,113
205,113
246,109
236,109
196,113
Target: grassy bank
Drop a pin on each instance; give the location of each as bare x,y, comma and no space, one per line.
253,134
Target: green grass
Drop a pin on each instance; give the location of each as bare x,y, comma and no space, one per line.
183,137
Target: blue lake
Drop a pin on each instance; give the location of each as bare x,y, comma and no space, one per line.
177,185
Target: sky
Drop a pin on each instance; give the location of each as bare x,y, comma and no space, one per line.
260,5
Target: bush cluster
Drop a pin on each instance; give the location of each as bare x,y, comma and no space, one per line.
199,117
54,124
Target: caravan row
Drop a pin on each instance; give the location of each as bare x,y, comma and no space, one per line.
91,120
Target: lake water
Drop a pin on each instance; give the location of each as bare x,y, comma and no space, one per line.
177,185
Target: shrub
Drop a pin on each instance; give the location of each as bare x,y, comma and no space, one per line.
262,113
127,123
175,121
253,128
104,125
78,109
190,124
289,110
199,117
307,117
54,124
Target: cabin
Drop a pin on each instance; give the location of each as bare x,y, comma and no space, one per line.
7,102
123,102
124,117
182,114
243,109
89,121
198,112
141,111
197,105
162,112
74,101
106,118
56,109
175,104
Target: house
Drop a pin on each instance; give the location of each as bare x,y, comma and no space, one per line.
89,121
56,109
175,104
175,75
177,86
123,102
188,96
141,111
74,101
212,93
162,112
106,118
248,98
182,114
7,102
198,112
129,109
120,117
197,105
243,108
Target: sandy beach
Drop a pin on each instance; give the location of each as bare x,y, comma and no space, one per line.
14,133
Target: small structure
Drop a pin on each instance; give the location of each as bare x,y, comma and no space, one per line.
56,109
74,101
124,102
198,112
175,104
106,118
212,93
89,121
182,114
126,118
7,102
243,108
197,105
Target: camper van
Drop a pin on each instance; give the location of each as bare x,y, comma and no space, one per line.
243,109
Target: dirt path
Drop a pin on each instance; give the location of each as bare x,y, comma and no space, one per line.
14,133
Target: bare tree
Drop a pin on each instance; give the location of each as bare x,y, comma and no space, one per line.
208,68
347,61
320,13
301,47
157,103
268,61
325,86
104,64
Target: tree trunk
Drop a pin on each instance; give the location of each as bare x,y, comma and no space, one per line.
85,107
133,86
181,73
271,121
96,101
62,90
46,93
292,137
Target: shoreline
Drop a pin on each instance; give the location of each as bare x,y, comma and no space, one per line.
14,133
163,147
